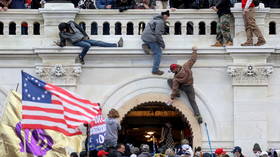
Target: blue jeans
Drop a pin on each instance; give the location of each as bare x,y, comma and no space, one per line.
86,44
155,48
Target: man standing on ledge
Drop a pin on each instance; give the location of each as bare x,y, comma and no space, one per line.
152,38
183,80
250,24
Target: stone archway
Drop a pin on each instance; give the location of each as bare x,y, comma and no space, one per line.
159,97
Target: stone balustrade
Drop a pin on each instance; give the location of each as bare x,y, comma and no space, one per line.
38,28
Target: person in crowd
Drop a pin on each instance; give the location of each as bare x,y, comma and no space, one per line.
257,149
153,41
223,37
181,4
169,153
75,2
237,152
134,151
219,152
83,154
162,4
72,32
198,152
18,4
74,154
145,4
102,153
36,4
112,128
106,4
4,4
183,80
120,149
123,5
250,24
86,4
186,149
145,151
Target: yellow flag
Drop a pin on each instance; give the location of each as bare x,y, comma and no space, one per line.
12,139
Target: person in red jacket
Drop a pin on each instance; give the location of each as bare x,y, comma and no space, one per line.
250,24
183,80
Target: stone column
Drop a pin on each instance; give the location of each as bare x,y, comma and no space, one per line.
250,74
239,32
53,14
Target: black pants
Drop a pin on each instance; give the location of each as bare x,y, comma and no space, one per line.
189,90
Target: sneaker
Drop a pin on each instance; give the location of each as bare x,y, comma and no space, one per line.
120,42
260,43
146,49
158,72
247,44
81,60
229,43
199,119
217,44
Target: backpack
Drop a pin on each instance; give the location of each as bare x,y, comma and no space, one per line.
256,3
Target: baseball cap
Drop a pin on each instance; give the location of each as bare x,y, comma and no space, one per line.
220,151
101,153
236,149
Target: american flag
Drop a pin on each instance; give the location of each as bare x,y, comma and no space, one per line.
45,106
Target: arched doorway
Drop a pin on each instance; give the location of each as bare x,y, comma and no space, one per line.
144,123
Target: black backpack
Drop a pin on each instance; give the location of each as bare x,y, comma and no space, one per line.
256,3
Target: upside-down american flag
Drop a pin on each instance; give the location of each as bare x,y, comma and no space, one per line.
45,106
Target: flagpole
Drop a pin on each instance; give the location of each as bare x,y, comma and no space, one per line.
87,141
209,142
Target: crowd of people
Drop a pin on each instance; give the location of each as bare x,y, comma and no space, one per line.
183,150
125,4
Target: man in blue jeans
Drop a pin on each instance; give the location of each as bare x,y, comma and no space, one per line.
153,41
78,37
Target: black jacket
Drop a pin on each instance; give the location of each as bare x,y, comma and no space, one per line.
223,7
123,5
78,34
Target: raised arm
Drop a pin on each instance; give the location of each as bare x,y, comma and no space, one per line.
192,60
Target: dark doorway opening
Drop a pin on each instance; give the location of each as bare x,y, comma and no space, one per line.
143,125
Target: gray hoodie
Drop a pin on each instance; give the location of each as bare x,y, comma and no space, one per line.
154,30
112,128
77,35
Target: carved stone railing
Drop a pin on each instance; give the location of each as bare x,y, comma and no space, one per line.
38,28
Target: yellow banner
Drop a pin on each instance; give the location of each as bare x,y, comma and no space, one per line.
11,144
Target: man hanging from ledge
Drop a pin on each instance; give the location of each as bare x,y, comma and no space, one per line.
183,80
74,33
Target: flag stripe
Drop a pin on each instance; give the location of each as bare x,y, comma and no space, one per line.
75,109
42,109
36,126
65,92
62,97
74,101
50,123
63,121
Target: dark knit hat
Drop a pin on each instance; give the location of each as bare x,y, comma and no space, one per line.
237,149
257,147
62,26
165,13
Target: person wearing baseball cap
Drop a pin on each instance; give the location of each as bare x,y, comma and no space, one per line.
220,152
102,153
237,152
183,80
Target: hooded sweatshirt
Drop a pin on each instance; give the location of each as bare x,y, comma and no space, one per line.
154,30
112,128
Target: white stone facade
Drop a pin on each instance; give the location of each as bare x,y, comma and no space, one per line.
237,88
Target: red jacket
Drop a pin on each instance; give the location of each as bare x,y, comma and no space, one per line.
244,3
